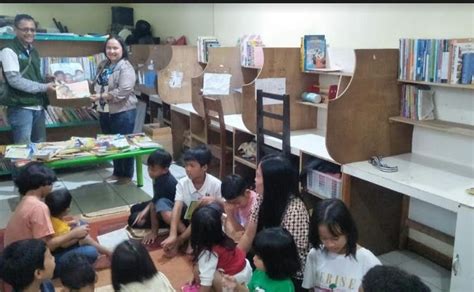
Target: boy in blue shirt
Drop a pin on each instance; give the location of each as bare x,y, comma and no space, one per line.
152,214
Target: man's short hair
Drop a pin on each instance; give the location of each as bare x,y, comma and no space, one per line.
20,17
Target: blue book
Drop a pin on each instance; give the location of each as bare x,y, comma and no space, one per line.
467,68
314,52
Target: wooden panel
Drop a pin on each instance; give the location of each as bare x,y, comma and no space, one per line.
377,212
281,63
183,59
221,60
358,120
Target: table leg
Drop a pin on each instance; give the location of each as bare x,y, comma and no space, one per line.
139,167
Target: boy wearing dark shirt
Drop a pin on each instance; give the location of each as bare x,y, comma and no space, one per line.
152,214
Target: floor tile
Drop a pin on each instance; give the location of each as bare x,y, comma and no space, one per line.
95,197
397,257
429,272
132,194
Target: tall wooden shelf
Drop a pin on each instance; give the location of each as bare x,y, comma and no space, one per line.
222,60
62,46
437,84
280,63
183,60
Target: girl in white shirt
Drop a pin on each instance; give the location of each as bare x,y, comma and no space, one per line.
336,262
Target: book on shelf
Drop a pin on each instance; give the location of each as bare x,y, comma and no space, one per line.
314,52
203,45
434,60
251,51
417,102
467,72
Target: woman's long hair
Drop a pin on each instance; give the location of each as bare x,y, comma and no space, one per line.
280,181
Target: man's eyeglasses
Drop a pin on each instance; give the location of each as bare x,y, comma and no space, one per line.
27,29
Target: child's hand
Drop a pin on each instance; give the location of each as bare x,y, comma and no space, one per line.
81,231
140,219
206,200
196,279
229,208
229,283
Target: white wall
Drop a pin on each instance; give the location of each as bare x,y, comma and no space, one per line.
345,25
79,18
191,20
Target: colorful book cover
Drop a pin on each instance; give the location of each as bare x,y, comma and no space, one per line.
467,68
315,52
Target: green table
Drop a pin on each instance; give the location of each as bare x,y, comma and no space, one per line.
86,160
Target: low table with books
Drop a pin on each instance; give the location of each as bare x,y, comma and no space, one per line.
80,151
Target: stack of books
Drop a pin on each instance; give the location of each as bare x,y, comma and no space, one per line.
417,102
437,60
203,45
251,51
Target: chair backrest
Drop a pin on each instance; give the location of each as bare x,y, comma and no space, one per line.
140,117
284,118
214,118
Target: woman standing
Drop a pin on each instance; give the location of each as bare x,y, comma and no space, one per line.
279,205
114,85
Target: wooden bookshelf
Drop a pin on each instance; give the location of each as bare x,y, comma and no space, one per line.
62,46
444,126
222,60
447,85
183,60
323,105
338,73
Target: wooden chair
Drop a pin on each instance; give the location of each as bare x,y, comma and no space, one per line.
214,120
284,118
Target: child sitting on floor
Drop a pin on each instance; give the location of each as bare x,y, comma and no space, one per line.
157,212
77,274
27,265
133,270
276,261
214,252
239,200
198,187
59,202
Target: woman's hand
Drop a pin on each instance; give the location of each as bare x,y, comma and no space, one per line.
94,97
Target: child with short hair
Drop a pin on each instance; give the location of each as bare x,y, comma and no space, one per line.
59,204
133,270
391,279
335,261
27,265
31,218
239,200
198,187
157,211
214,252
276,260
77,274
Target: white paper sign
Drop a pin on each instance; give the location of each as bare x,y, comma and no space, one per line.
216,84
176,79
111,239
271,85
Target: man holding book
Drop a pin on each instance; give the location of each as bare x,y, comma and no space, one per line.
27,92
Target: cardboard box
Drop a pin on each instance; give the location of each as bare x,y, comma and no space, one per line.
160,135
77,102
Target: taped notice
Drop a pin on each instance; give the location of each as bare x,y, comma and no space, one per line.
216,84
176,79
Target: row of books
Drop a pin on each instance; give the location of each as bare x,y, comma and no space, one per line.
417,102
313,52
89,64
56,115
203,45
251,51
79,146
437,60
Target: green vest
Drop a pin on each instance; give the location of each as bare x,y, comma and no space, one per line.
21,98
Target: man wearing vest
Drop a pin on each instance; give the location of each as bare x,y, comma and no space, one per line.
28,99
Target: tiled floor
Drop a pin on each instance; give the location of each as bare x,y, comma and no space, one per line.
90,195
